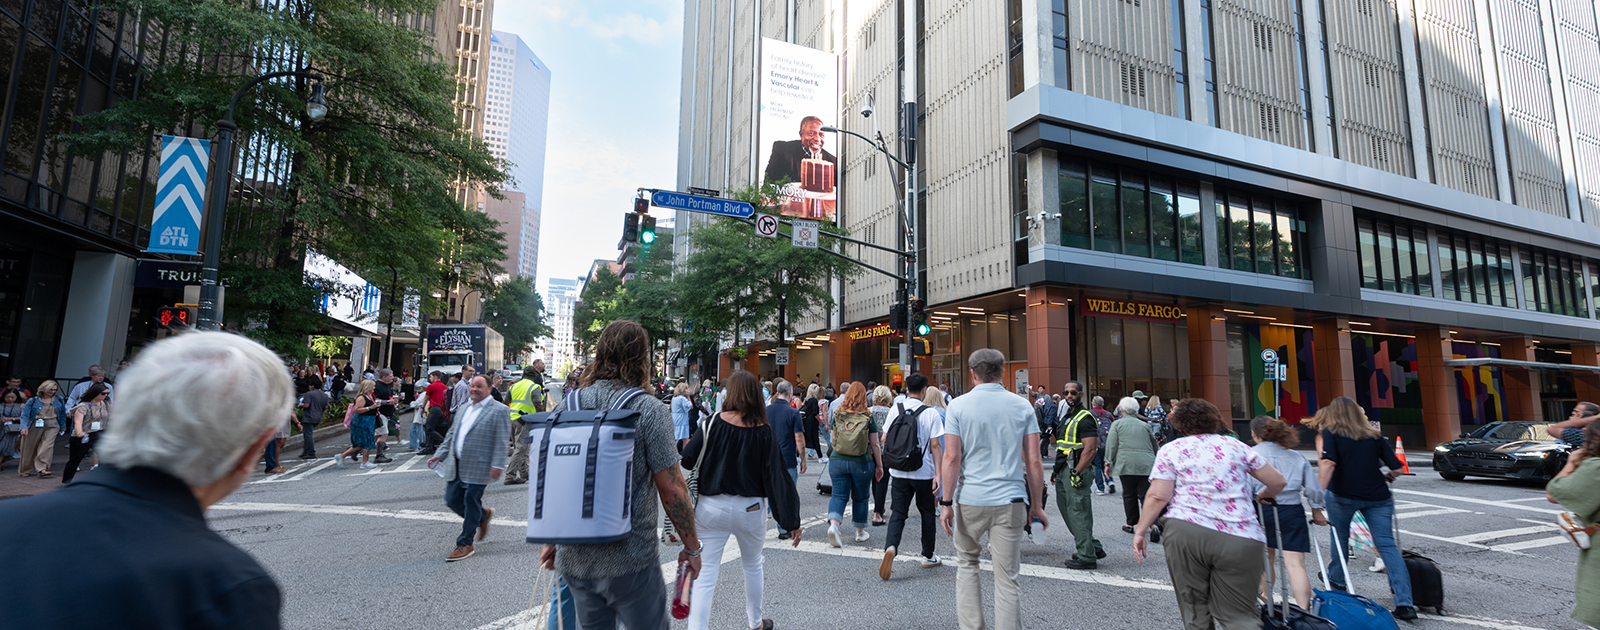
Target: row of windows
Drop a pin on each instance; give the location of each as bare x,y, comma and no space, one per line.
1260,234
1126,211
1394,257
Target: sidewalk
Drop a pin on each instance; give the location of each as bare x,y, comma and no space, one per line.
12,486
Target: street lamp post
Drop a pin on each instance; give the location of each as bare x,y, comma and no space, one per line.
907,233
316,108
463,317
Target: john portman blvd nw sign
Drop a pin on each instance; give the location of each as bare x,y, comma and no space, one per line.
692,203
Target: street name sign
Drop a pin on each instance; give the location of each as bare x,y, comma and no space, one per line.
767,225
805,233
709,205
704,192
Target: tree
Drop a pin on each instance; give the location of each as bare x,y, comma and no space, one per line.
373,185
517,312
327,347
600,302
737,280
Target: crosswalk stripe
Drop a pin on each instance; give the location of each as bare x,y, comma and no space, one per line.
1411,515
1532,544
1504,533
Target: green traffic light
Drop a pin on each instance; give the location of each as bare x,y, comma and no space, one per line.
648,237
923,329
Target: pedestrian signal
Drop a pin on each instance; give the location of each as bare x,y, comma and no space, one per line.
897,316
174,317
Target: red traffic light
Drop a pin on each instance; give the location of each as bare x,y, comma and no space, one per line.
641,205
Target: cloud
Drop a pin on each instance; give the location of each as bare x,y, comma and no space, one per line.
630,26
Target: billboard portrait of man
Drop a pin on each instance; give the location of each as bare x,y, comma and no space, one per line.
784,164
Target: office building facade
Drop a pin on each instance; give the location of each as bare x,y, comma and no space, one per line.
1397,198
516,123
560,301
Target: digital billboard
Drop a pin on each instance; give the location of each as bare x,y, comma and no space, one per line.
800,95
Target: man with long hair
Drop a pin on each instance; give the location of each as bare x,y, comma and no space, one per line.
621,581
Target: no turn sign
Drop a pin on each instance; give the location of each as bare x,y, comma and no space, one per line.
767,225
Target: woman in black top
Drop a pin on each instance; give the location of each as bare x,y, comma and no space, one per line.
742,475
1353,453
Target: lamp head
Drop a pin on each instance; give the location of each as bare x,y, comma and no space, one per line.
830,129
317,105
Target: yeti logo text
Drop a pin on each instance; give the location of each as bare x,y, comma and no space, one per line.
567,449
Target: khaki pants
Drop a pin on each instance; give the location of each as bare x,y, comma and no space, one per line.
36,449
1215,576
517,470
1004,524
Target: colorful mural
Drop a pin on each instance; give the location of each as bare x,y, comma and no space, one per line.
1388,389
1479,390
1297,397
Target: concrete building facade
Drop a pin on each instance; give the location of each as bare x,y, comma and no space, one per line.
560,301
516,124
1397,197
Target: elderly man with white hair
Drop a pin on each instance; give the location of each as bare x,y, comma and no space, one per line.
195,412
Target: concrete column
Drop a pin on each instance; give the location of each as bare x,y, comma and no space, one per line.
791,372
838,357
1049,338
1208,357
1522,385
1441,420
1587,383
1044,202
99,302
1336,375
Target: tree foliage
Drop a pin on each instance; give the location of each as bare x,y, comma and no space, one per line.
515,309
601,302
326,347
369,186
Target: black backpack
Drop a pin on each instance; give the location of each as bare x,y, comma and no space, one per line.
901,448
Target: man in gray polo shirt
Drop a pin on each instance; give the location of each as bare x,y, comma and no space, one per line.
985,432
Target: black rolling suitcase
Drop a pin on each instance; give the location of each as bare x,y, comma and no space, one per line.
1427,582
1287,616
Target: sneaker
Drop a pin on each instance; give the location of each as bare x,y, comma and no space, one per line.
1111,489
833,535
783,535
1405,613
308,456
1099,492
1082,565
461,553
1377,567
1127,529
367,466
516,482
863,536
931,562
338,461
886,567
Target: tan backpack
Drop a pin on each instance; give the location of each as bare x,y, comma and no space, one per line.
851,432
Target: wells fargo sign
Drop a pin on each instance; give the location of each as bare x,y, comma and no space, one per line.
1128,309
873,332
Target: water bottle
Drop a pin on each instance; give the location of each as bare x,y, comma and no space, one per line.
680,592
1038,532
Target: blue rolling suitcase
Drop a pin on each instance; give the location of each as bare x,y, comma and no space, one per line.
1346,609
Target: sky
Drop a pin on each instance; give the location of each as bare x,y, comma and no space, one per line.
615,68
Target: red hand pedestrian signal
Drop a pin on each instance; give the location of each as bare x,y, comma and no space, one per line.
173,317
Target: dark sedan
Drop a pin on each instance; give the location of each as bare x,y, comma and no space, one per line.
1508,450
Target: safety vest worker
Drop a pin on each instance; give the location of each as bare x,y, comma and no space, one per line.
526,397
1069,442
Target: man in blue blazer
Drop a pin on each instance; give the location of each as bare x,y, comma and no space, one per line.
472,455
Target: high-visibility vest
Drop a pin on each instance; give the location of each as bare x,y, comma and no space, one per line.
526,397
1068,441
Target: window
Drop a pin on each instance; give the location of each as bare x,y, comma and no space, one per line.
1474,269
1553,283
1014,45
1261,235
1126,211
1394,256
1058,29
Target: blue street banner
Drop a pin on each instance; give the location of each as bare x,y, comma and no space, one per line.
180,195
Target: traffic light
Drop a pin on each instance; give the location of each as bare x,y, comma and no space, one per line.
919,318
641,205
897,316
630,228
174,317
647,229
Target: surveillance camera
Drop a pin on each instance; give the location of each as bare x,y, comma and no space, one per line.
866,111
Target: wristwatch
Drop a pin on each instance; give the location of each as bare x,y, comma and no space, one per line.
694,553
946,503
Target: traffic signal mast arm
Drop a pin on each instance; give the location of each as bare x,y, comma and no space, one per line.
830,252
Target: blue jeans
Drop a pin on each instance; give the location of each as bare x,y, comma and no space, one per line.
1100,476
852,483
638,600
416,433
466,500
1380,519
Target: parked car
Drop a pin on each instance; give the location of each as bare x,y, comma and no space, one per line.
1507,450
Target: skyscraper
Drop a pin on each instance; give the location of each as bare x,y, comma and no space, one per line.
516,119
560,301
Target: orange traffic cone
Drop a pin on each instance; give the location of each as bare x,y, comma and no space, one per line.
1400,452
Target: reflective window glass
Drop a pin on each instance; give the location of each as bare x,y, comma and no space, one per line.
1163,220
1074,205
1135,216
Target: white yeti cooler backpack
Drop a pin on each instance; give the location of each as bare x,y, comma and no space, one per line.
582,489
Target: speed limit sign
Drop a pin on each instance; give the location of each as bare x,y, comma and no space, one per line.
767,225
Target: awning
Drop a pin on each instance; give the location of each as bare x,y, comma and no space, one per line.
1531,365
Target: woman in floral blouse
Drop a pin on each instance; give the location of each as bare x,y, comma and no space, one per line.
1214,541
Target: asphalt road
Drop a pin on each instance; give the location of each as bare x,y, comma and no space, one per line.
357,549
